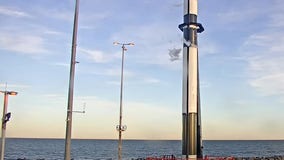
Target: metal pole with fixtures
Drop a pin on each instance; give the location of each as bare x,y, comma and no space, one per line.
67,155
5,118
120,128
191,116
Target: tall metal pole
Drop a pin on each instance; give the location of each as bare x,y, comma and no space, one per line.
4,125
5,119
120,106
120,128
67,155
191,118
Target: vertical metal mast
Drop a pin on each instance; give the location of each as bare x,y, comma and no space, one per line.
120,106
5,118
67,155
191,133
4,125
120,128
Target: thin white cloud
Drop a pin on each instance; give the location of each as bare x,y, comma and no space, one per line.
98,56
115,72
86,27
272,84
152,80
138,81
263,49
235,16
90,20
264,52
61,64
132,78
87,18
207,47
13,86
13,12
57,14
22,43
52,96
52,32
259,40
266,73
116,83
265,62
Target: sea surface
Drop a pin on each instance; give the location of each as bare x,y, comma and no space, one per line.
51,149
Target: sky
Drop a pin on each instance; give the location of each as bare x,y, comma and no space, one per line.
240,56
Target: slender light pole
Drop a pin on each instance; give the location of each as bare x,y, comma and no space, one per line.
5,118
120,128
67,155
191,117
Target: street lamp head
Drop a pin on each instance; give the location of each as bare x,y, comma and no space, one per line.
12,93
123,44
116,43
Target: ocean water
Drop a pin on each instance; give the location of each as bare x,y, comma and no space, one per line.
51,149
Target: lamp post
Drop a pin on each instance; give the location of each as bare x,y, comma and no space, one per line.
120,128
5,118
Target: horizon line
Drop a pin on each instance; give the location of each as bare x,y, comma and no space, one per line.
144,139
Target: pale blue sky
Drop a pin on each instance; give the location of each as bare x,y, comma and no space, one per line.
241,68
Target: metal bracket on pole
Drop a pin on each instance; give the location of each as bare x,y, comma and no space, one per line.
121,128
7,117
199,26
82,111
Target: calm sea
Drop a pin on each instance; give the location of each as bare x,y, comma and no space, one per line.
107,149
